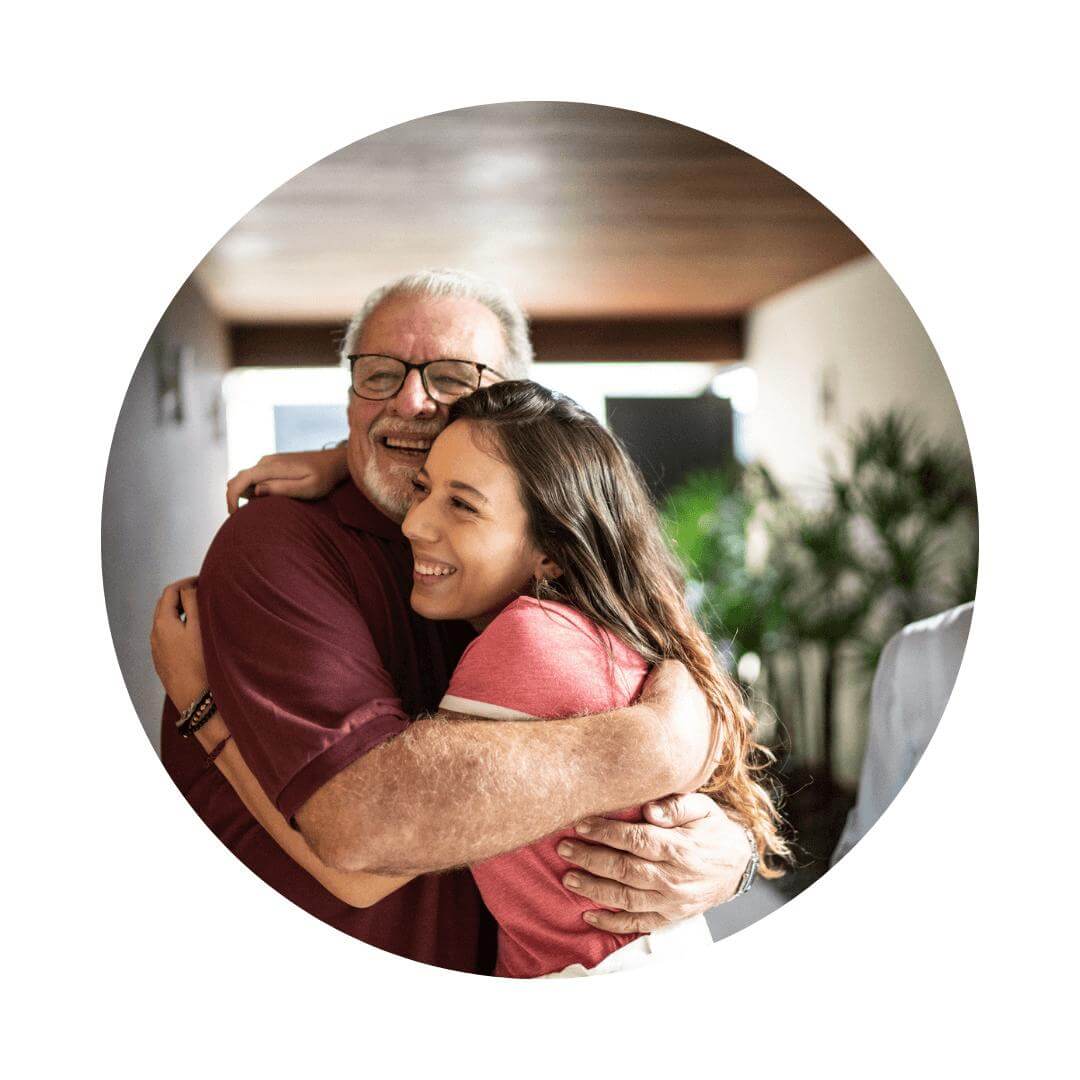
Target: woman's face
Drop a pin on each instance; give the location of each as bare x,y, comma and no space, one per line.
469,532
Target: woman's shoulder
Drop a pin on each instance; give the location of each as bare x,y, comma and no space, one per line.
530,621
546,658
530,615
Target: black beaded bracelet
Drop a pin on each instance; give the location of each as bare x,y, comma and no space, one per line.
196,714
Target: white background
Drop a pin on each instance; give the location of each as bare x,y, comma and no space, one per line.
136,135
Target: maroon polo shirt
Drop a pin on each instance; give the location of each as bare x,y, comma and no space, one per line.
315,657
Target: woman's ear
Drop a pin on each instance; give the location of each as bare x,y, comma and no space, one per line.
547,570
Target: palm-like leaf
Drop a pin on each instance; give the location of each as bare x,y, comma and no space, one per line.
892,539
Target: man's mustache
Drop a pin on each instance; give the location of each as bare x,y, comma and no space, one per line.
420,429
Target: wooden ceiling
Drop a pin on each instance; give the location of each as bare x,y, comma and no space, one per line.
583,211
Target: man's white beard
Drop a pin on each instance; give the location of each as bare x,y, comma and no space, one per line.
392,493
390,488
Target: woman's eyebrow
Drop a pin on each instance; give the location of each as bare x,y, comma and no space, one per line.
459,486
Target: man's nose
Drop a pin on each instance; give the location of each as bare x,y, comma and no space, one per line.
412,399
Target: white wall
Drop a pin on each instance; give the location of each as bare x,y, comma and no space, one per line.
853,328
164,489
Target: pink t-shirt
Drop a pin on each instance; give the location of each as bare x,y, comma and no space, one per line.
543,660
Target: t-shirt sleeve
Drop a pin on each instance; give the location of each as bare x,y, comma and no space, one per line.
289,655
535,661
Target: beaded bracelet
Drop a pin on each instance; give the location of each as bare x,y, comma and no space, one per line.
196,714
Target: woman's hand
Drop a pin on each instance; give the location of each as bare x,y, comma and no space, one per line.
175,643
306,474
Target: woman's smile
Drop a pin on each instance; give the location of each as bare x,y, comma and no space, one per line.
472,551
428,571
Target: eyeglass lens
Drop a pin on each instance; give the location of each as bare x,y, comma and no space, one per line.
379,377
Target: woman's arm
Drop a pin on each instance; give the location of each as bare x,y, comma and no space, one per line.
179,664
357,889
306,474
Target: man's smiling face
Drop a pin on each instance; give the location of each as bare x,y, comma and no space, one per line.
389,440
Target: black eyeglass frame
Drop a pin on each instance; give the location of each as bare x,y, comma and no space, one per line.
422,368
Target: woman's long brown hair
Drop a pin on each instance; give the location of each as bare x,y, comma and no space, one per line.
589,511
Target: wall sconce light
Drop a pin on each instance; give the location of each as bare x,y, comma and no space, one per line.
171,362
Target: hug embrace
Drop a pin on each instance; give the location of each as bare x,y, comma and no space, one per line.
441,687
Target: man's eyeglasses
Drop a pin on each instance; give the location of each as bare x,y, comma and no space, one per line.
378,378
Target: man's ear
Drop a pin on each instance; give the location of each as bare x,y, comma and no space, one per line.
547,569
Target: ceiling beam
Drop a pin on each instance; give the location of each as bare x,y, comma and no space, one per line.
285,344
633,338
585,339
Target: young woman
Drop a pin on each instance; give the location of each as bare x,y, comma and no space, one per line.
530,522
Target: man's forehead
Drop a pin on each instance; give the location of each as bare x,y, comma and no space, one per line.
425,327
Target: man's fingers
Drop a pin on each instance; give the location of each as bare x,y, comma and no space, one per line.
612,894
626,922
614,865
639,838
678,810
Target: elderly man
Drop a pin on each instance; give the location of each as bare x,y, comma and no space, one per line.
319,665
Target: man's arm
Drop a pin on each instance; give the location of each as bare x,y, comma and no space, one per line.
452,790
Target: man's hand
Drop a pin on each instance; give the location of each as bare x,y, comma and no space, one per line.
691,858
305,474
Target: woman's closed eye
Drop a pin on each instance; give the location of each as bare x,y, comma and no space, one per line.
420,491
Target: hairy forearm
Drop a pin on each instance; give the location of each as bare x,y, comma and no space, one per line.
451,791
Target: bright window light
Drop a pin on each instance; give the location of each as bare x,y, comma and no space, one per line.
590,383
281,408
740,385
257,400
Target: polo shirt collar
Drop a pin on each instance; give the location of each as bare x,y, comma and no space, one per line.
356,510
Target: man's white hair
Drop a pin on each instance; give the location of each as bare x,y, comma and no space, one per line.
461,285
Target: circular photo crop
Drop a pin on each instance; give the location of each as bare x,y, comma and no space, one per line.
559,537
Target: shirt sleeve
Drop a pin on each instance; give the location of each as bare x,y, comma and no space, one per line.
289,654
535,661
888,760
